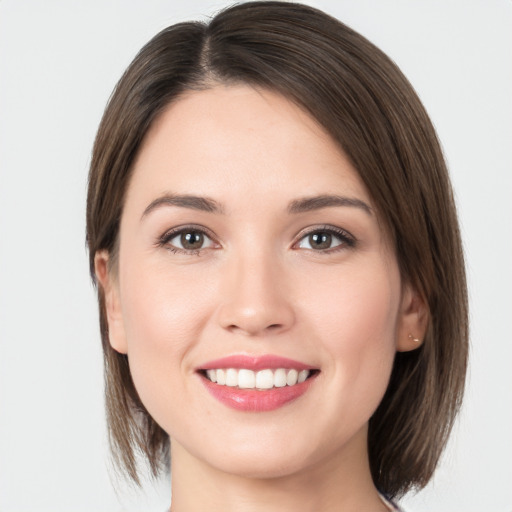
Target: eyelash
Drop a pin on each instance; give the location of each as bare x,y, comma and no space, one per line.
347,240
164,240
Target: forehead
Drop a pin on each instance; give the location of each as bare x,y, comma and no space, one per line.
233,142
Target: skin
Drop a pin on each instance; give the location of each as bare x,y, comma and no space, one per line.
257,286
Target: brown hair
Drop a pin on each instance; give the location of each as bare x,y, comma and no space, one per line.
362,99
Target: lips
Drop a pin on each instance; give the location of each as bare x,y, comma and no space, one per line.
256,384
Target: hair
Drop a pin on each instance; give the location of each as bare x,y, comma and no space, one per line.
369,108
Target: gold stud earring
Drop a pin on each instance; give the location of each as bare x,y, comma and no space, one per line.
416,340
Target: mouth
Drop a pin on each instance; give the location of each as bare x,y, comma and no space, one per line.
256,384
268,378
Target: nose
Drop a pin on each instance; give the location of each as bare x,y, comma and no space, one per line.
255,300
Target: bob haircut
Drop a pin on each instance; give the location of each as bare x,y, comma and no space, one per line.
372,112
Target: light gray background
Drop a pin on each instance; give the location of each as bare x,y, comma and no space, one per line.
59,61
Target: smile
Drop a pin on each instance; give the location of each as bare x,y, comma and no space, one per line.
256,383
244,378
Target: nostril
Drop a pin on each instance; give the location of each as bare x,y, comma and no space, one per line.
253,329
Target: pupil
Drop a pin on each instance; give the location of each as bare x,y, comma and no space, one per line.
320,240
192,240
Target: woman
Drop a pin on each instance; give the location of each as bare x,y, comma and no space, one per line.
280,275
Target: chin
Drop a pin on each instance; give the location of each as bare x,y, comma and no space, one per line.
271,458
263,468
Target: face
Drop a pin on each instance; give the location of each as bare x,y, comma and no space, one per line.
250,254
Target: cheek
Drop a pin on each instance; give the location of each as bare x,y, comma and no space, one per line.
163,320
355,315
359,303
157,314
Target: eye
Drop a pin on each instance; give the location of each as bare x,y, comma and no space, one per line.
325,239
186,240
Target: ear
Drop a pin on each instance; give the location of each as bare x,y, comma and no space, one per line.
413,320
110,286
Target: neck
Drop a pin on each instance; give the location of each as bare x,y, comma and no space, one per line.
341,483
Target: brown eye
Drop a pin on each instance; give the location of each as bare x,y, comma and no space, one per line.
320,240
187,240
192,240
326,239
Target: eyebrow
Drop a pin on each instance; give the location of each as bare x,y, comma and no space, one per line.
307,204
204,204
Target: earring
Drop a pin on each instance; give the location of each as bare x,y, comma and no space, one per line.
416,340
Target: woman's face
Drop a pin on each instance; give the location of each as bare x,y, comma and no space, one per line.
249,247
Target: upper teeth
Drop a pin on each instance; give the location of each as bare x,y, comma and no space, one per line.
263,379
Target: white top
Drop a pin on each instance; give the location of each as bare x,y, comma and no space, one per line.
391,506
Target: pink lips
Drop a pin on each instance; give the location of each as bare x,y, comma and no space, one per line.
253,400
255,363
